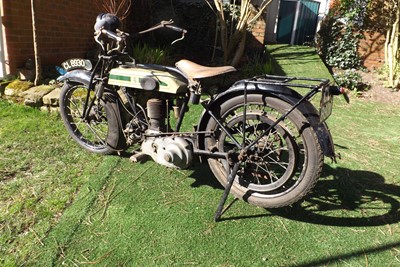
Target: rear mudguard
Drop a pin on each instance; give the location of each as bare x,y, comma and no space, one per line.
115,136
282,92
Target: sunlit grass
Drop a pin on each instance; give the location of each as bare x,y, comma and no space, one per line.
124,214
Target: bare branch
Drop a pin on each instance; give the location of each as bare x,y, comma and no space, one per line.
264,6
119,8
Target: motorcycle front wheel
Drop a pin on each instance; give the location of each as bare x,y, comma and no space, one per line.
280,166
90,133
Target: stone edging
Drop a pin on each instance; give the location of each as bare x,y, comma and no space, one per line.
44,97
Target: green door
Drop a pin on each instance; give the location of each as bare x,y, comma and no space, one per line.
307,22
287,14
304,24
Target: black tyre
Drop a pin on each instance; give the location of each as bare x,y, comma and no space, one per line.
91,134
281,167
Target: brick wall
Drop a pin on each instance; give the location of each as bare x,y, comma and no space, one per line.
255,40
257,35
65,30
372,50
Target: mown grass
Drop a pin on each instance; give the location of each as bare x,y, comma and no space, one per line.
297,61
148,215
40,172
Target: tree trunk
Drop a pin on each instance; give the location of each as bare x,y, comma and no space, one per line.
38,68
237,56
395,47
233,45
392,52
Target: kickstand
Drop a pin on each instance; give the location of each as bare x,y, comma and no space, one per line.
231,178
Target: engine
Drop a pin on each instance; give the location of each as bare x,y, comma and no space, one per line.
156,112
170,151
173,152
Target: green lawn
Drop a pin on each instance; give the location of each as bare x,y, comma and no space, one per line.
106,211
298,61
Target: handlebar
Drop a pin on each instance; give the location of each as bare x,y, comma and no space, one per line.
167,24
120,35
111,35
175,28
336,90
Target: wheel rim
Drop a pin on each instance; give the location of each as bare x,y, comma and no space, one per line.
271,162
274,180
93,131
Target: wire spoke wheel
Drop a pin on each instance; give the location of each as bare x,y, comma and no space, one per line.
91,132
271,161
281,164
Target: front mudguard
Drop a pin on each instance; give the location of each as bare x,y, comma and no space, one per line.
80,76
111,103
281,92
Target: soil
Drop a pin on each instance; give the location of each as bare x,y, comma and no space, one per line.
377,92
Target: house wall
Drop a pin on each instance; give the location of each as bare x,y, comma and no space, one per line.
323,10
64,30
372,50
256,38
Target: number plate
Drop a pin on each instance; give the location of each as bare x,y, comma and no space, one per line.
326,104
76,63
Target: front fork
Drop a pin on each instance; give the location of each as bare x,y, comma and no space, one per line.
96,84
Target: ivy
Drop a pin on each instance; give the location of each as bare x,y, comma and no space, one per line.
349,79
340,35
354,10
338,44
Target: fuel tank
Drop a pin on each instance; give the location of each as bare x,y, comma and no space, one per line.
149,78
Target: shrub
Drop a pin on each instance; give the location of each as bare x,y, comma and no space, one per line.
146,54
349,79
340,33
258,64
338,44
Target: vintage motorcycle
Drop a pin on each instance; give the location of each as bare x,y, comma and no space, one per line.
263,141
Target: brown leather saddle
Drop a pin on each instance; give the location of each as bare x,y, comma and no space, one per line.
195,71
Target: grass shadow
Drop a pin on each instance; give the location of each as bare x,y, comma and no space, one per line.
202,175
346,256
278,70
351,198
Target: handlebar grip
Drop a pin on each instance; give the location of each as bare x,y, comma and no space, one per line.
111,35
177,29
336,90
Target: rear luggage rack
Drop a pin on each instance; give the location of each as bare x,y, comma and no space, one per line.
287,81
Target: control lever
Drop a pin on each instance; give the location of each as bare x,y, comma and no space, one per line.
167,24
177,29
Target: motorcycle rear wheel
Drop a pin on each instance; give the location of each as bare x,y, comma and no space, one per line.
279,169
90,134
